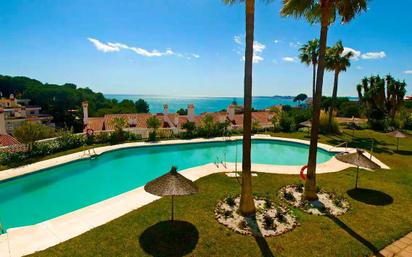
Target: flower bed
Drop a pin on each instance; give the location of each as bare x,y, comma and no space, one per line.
270,219
327,203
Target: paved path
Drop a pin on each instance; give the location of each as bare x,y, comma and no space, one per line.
399,248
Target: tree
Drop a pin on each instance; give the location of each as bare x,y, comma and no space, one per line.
324,12
30,132
381,98
182,111
300,98
309,54
336,61
119,123
153,123
141,106
247,205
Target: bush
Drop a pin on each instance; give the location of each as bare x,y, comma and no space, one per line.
152,136
324,124
268,221
349,109
286,123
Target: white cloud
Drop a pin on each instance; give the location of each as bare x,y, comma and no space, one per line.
359,67
374,55
296,44
116,47
257,49
276,41
290,59
408,72
105,48
356,54
238,39
365,56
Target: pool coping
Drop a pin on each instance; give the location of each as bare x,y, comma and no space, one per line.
25,240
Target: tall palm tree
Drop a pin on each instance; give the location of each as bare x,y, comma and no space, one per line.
247,205
324,12
337,62
309,54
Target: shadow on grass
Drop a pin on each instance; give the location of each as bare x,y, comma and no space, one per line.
259,238
169,239
355,235
403,152
370,196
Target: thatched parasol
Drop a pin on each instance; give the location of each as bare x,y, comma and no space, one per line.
171,183
307,124
359,160
398,135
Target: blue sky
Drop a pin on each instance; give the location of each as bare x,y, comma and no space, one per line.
181,47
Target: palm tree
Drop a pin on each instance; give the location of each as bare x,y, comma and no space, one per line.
337,62
324,12
309,54
247,205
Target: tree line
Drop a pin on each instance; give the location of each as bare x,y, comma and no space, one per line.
63,102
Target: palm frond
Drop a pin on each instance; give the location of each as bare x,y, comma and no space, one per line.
296,8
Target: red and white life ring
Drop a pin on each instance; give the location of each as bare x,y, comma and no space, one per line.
302,174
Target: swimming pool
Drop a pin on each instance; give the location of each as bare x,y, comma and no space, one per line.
61,189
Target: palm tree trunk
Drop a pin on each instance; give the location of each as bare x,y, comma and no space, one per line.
310,185
314,81
247,206
333,100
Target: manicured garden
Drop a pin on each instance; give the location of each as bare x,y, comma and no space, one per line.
380,213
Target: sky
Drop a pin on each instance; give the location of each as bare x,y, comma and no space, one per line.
191,48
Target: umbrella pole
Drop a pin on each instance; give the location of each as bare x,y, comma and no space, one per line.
172,208
357,172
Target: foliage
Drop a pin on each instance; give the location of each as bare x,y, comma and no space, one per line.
29,132
60,100
209,128
153,123
182,111
300,98
324,124
190,130
382,99
287,123
141,106
118,135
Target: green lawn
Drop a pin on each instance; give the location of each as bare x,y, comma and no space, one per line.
378,216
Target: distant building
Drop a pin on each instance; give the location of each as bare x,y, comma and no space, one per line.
175,121
14,112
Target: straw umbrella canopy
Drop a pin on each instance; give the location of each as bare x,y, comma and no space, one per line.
171,184
398,135
307,124
359,160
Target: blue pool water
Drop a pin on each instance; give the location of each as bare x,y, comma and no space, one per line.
55,191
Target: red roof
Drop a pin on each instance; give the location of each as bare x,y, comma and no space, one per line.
7,140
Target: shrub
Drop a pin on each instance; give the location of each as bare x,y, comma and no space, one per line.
280,216
268,221
230,201
287,123
324,124
349,109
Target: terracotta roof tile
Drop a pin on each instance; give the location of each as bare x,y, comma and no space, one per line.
7,140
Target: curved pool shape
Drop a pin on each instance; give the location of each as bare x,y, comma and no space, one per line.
52,192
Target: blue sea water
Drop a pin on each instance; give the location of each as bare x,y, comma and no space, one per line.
202,104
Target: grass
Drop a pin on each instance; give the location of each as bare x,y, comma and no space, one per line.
379,214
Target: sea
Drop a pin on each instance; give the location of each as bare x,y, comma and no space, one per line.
203,104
